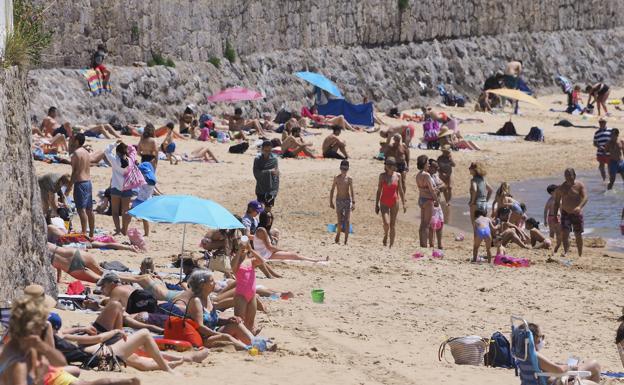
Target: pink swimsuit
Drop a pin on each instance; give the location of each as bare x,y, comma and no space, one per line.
246,282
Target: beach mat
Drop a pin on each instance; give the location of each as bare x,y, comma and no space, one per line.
94,83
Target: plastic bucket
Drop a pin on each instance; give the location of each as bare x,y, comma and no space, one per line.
318,295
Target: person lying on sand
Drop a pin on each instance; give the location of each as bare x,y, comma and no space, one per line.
262,245
55,232
79,264
237,123
327,120
95,130
202,154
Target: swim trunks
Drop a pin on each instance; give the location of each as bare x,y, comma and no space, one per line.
140,301
61,130
170,148
147,158
83,194
602,158
343,209
572,222
333,154
616,166
402,167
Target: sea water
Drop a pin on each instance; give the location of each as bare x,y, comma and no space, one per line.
601,214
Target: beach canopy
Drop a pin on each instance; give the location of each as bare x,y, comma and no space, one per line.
516,95
236,94
186,209
321,82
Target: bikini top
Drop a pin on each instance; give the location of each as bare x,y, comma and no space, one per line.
13,360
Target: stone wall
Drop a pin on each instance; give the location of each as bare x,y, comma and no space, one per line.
195,30
22,227
387,75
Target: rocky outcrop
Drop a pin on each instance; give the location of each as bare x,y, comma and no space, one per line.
191,30
387,75
22,226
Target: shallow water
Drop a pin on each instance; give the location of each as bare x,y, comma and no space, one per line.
602,212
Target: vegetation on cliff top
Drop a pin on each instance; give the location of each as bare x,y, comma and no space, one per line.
28,39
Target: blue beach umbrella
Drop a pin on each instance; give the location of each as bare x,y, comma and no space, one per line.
321,82
186,209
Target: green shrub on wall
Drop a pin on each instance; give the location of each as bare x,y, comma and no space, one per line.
403,4
230,52
27,41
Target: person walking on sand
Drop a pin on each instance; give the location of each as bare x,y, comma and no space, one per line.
387,199
427,198
571,197
345,200
446,164
601,138
551,218
400,152
267,175
81,183
615,147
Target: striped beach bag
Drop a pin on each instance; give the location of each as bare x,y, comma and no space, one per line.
468,350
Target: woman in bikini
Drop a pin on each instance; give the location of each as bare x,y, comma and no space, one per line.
79,264
215,331
28,359
480,190
147,147
427,198
600,93
387,199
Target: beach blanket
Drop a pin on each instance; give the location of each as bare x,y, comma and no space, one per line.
94,82
358,114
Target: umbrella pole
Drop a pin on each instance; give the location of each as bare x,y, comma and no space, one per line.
182,252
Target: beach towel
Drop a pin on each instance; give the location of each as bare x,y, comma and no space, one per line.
358,114
94,82
508,261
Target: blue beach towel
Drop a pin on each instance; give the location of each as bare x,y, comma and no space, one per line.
358,114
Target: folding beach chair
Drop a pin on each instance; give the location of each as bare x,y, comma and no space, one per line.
523,351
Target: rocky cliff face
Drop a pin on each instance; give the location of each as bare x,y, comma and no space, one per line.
191,30
22,232
388,75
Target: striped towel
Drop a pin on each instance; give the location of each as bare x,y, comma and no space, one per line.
95,84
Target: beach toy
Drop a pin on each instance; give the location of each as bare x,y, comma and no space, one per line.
417,255
253,352
459,237
318,295
439,254
332,228
259,343
177,345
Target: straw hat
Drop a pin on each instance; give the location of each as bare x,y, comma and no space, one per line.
444,132
37,291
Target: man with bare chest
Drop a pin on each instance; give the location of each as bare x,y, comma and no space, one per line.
571,197
399,151
345,200
614,148
81,183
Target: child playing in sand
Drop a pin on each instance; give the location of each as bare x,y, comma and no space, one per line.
345,200
538,241
508,232
551,218
483,229
168,146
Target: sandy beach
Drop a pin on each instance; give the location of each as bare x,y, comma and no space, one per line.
385,314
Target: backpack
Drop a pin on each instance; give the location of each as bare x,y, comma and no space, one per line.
239,148
282,116
536,134
499,352
508,129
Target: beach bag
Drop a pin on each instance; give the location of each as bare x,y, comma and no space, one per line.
535,134
75,288
437,218
508,129
239,148
499,352
468,350
133,178
219,262
282,116
183,329
136,239
431,129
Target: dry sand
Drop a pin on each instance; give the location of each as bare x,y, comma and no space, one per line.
385,315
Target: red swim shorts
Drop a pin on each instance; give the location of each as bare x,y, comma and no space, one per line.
101,68
602,158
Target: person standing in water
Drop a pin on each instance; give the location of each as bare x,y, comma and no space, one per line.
601,138
615,147
571,198
345,200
